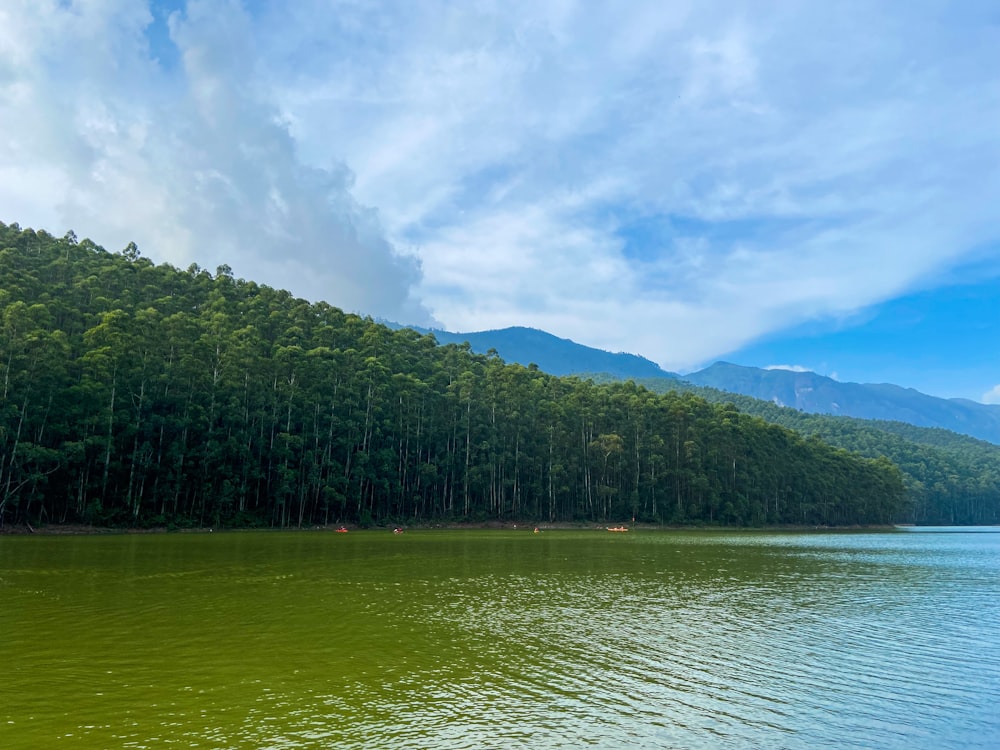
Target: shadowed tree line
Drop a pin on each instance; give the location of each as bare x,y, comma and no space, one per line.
140,394
950,479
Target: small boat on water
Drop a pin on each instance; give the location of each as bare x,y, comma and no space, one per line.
617,528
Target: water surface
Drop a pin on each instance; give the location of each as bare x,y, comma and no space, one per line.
469,639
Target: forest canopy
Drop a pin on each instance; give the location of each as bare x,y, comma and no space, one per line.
138,394
950,479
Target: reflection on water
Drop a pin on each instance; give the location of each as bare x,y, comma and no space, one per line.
502,639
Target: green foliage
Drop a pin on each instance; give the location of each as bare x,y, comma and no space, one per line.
143,395
950,479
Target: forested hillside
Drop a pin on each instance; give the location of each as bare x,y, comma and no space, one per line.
950,478
139,394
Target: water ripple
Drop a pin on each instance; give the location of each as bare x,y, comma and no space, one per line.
493,641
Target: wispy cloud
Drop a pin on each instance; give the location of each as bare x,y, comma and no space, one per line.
797,161
791,368
992,396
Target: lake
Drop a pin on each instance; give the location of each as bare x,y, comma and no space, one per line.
502,639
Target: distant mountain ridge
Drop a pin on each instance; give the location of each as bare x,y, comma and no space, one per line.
818,394
806,391
552,354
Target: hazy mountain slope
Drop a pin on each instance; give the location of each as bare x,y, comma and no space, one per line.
552,354
818,394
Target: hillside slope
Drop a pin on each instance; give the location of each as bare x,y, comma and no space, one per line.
139,394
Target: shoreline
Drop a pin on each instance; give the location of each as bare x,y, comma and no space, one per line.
76,529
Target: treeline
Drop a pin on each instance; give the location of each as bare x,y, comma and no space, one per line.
950,479
139,394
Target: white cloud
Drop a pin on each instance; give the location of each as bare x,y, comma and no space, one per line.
792,368
801,161
992,396
195,165
801,188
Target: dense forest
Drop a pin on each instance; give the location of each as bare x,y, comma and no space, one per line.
950,479
140,394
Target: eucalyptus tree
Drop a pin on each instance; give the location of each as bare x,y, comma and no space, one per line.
136,393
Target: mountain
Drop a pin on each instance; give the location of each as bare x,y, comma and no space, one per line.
552,354
817,394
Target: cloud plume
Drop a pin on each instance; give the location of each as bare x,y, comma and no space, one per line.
194,163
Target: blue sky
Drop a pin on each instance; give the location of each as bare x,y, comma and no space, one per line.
799,184
938,341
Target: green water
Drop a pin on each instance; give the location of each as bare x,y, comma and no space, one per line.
490,639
